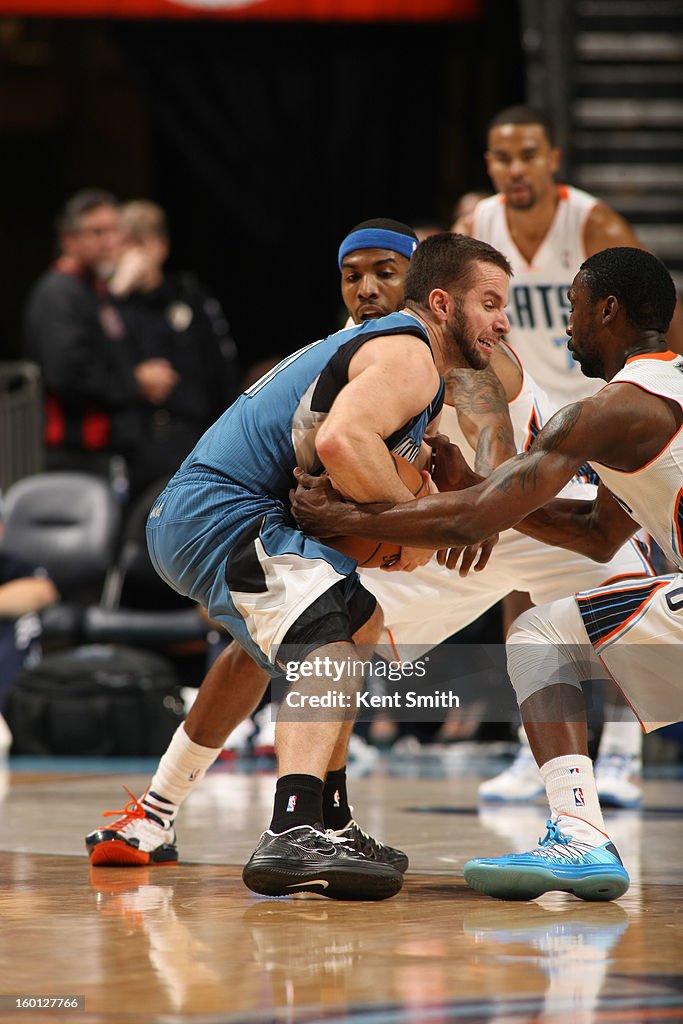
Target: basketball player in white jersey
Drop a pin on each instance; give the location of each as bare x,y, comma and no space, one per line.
546,230
427,606
622,301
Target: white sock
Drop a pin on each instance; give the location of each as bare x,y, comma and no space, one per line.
625,738
180,768
570,785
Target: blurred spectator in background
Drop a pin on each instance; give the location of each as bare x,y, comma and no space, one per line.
170,320
75,334
24,591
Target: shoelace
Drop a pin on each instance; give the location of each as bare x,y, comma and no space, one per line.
131,812
553,835
368,844
324,835
334,838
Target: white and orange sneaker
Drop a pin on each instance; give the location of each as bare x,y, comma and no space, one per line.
137,838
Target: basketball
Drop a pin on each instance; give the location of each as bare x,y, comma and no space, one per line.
373,554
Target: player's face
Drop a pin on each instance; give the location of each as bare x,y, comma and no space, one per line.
372,283
96,241
478,321
584,328
521,163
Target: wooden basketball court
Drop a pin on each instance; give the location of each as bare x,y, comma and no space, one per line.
189,943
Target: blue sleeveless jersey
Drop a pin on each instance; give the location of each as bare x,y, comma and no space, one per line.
272,427
222,531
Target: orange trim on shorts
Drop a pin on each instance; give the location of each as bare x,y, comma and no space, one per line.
394,648
625,590
626,576
637,716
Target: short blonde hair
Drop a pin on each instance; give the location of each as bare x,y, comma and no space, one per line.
141,218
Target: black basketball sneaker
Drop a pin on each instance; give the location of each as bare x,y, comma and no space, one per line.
309,859
372,848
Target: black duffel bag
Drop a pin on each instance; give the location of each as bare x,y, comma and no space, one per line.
98,700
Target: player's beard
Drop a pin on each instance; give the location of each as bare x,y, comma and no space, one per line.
459,334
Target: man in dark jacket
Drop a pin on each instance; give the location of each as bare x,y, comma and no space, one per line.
170,317
75,334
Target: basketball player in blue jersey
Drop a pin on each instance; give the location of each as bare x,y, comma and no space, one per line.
222,533
373,260
621,304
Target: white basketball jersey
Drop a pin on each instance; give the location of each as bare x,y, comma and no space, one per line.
538,307
653,495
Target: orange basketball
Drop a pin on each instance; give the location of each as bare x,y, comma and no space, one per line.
371,554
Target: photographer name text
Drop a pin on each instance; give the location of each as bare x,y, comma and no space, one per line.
342,700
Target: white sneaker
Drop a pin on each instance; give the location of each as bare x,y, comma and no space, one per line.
615,776
138,837
520,782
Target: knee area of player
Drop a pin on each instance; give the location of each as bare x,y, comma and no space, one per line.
537,657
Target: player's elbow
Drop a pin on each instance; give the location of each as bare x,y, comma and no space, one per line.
335,449
598,549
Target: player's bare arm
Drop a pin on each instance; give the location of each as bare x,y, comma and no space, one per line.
596,528
481,405
576,433
463,517
622,426
390,381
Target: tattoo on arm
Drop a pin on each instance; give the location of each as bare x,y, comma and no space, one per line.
489,438
478,396
482,457
475,392
558,428
523,469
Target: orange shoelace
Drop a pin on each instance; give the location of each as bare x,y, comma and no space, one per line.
132,811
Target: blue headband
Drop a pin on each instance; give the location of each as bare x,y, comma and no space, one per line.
377,238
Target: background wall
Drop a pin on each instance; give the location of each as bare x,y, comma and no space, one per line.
265,143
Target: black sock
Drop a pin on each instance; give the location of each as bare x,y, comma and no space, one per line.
298,801
336,810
